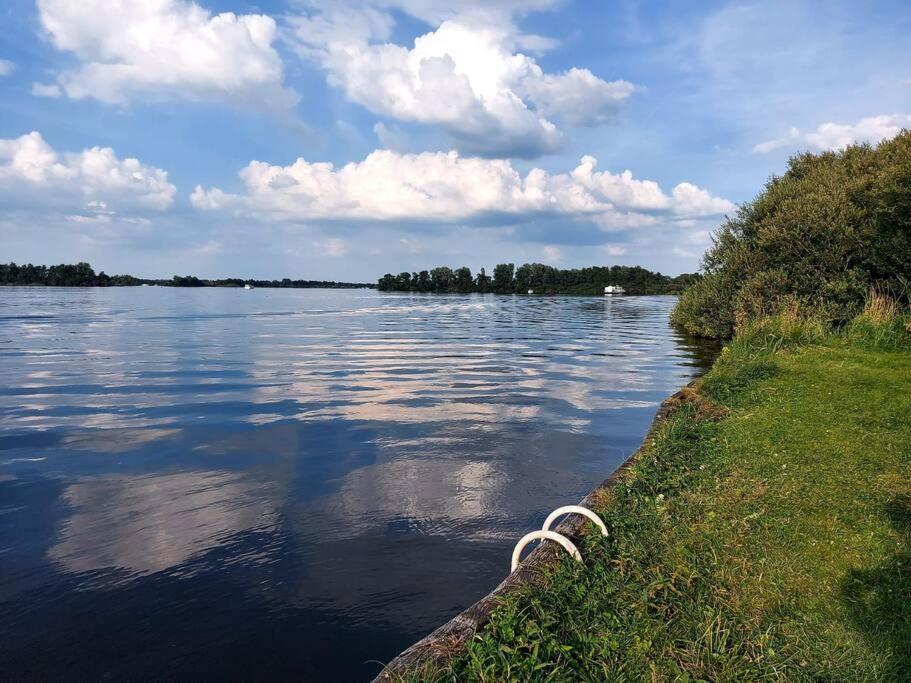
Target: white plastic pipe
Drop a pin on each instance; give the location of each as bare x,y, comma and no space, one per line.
578,509
549,535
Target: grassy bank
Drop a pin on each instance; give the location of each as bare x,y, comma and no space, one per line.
765,533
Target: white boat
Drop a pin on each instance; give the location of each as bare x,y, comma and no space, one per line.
611,290
531,291
248,286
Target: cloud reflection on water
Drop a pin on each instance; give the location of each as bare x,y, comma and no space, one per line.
153,522
363,457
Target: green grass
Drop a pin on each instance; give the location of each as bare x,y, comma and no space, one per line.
764,534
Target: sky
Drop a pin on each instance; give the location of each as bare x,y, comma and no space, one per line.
343,139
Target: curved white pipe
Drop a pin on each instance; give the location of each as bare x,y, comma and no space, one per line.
578,509
550,535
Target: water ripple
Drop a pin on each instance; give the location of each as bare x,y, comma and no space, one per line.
340,470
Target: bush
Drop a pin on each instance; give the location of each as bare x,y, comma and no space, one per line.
881,325
818,237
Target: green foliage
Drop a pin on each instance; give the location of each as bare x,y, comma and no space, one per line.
881,325
462,280
441,279
783,331
542,279
78,275
403,281
423,281
818,237
503,278
482,283
706,308
186,281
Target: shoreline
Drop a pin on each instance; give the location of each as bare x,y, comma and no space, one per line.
447,640
38,285
719,563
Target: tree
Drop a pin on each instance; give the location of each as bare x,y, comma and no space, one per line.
815,240
536,276
441,279
482,282
542,279
503,274
403,282
186,281
463,282
424,283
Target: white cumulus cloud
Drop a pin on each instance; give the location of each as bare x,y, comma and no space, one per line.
447,187
95,180
466,76
690,200
437,11
165,49
6,67
576,96
831,136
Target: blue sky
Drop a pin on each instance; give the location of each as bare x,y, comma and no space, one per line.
346,139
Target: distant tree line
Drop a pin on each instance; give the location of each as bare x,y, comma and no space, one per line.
83,275
63,275
542,279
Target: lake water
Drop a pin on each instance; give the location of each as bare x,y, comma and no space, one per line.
274,484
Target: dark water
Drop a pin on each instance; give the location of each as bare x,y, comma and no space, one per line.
270,484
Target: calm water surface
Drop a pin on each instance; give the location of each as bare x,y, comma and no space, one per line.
268,484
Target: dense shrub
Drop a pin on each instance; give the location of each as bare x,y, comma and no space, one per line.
817,239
